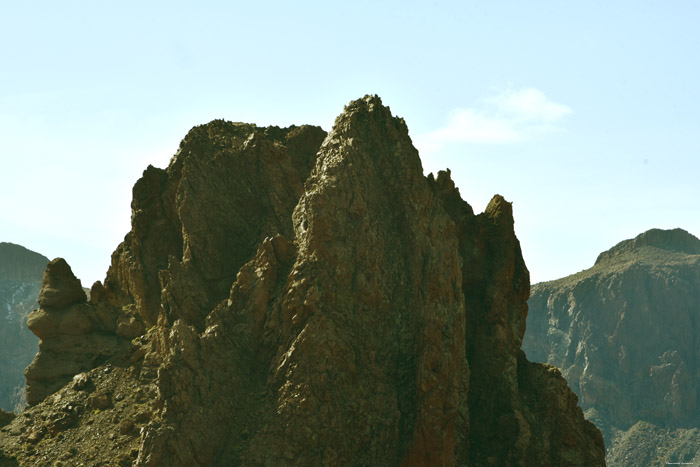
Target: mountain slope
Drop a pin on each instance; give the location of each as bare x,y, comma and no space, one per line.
624,334
21,271
287,297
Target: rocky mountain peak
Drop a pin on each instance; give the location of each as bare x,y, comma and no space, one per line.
287,297
623,333
675,240
60,287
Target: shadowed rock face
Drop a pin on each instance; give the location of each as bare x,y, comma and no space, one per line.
21,271
624,334
287,297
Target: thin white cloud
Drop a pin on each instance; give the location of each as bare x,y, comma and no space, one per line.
528,105
509,117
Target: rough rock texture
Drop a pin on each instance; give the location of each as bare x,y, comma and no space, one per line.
73,335
649,444
287,297
21,271
624,334
5,417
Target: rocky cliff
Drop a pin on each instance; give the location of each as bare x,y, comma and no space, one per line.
21,271
291,297
624,334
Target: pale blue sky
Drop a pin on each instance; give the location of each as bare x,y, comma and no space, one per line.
584,114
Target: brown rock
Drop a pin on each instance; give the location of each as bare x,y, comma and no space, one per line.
5,417
81,381
62,357
129,326
311,301
60,287
142,416
35,435
75,335
379,287
75,321
63,324
100,401
515,415
43,323
126,426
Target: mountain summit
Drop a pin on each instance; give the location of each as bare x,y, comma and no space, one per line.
291,297
676,240
624,334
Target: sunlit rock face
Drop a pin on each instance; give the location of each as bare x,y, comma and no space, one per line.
624,334
21,271
291,297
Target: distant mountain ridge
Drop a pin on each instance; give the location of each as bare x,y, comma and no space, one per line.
21,272
676,240
20,264
624,333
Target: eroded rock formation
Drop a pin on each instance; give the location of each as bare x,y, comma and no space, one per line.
625,335
74,336
287,297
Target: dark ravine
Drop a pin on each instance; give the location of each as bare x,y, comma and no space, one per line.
625,335
291,297
21,271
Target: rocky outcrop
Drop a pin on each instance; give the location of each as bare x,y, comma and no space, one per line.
515,402
287,297
624,334
74,336
21,271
